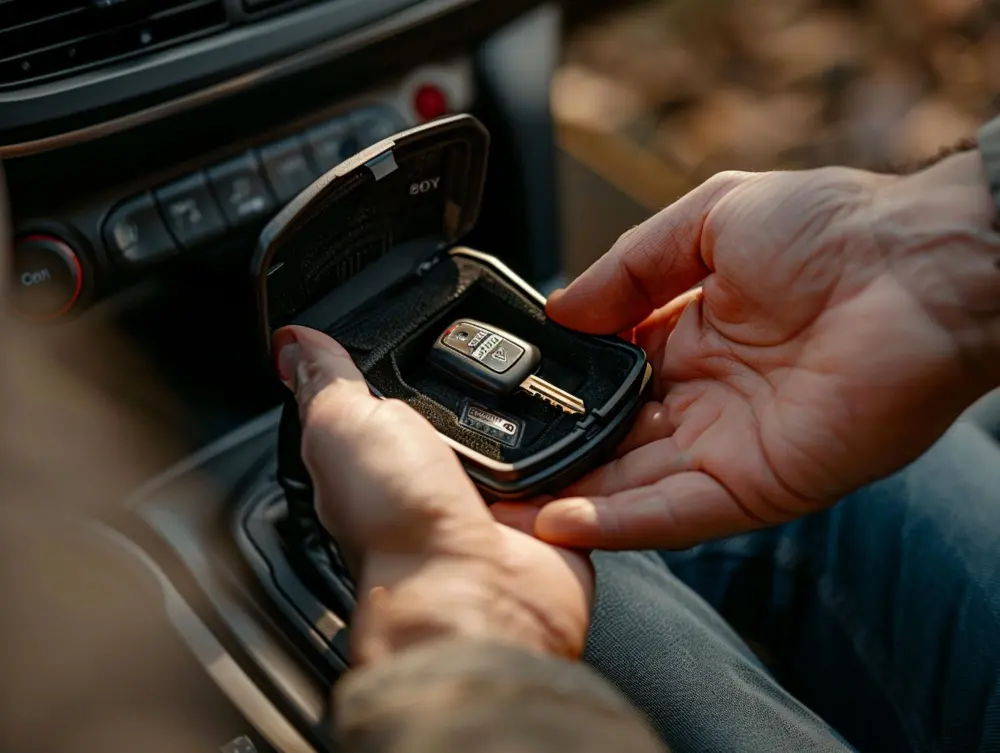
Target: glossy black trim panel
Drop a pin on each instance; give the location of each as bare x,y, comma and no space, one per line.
320,33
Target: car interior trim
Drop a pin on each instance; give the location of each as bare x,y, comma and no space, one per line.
257,427
411,17
281,672
218,664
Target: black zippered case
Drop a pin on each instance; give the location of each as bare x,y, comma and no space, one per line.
369,254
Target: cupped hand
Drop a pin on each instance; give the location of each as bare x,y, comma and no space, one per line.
395,496
825,348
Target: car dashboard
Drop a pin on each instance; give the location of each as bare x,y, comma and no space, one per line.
141,173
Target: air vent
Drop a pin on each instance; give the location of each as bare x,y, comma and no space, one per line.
43,39
260,6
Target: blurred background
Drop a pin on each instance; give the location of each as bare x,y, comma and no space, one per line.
653,97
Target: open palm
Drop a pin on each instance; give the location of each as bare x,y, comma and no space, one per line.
817,355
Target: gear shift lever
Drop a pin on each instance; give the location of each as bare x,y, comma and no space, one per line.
292,473
311,540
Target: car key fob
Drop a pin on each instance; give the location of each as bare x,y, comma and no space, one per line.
496,361
485,356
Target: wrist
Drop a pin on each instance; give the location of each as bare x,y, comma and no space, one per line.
936,230
408,601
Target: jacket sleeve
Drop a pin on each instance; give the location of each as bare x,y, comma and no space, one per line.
457,696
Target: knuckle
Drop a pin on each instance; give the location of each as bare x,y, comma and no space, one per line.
318,411
726,179
310,440
626,238
317,424
612,524
324,419
616,476
395,410
393,417
395,405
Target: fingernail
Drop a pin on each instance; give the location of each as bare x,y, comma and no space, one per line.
286,356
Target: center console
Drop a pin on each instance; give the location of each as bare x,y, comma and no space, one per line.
218,529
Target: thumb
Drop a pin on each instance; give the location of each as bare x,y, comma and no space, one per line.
311,363
647,267
677,512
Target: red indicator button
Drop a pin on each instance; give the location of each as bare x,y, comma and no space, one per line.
430,102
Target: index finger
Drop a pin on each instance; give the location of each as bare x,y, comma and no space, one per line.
646,268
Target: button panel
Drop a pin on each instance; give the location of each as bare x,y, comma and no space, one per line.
136,234
495,352
191,211
287,168
373,124
241,190
332,143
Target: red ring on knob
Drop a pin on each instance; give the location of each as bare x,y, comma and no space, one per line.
68,255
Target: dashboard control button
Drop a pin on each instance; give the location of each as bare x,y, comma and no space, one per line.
287,169
373,124
48,277
332,143
241,190
190,211
430,102
135,233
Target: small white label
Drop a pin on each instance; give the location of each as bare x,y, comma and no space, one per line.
502,424
489,423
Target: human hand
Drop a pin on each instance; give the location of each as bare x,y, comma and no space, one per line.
843,325
429,559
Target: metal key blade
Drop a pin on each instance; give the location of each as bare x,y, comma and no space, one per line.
548,392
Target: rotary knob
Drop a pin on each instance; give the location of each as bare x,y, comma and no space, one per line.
47,277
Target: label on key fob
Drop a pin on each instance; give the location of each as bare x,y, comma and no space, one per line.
486,421
493,351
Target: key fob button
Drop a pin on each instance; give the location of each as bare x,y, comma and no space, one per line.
485,346
503,356
465,338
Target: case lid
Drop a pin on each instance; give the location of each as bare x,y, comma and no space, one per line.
422,186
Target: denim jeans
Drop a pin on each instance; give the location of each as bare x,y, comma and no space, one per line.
879,619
